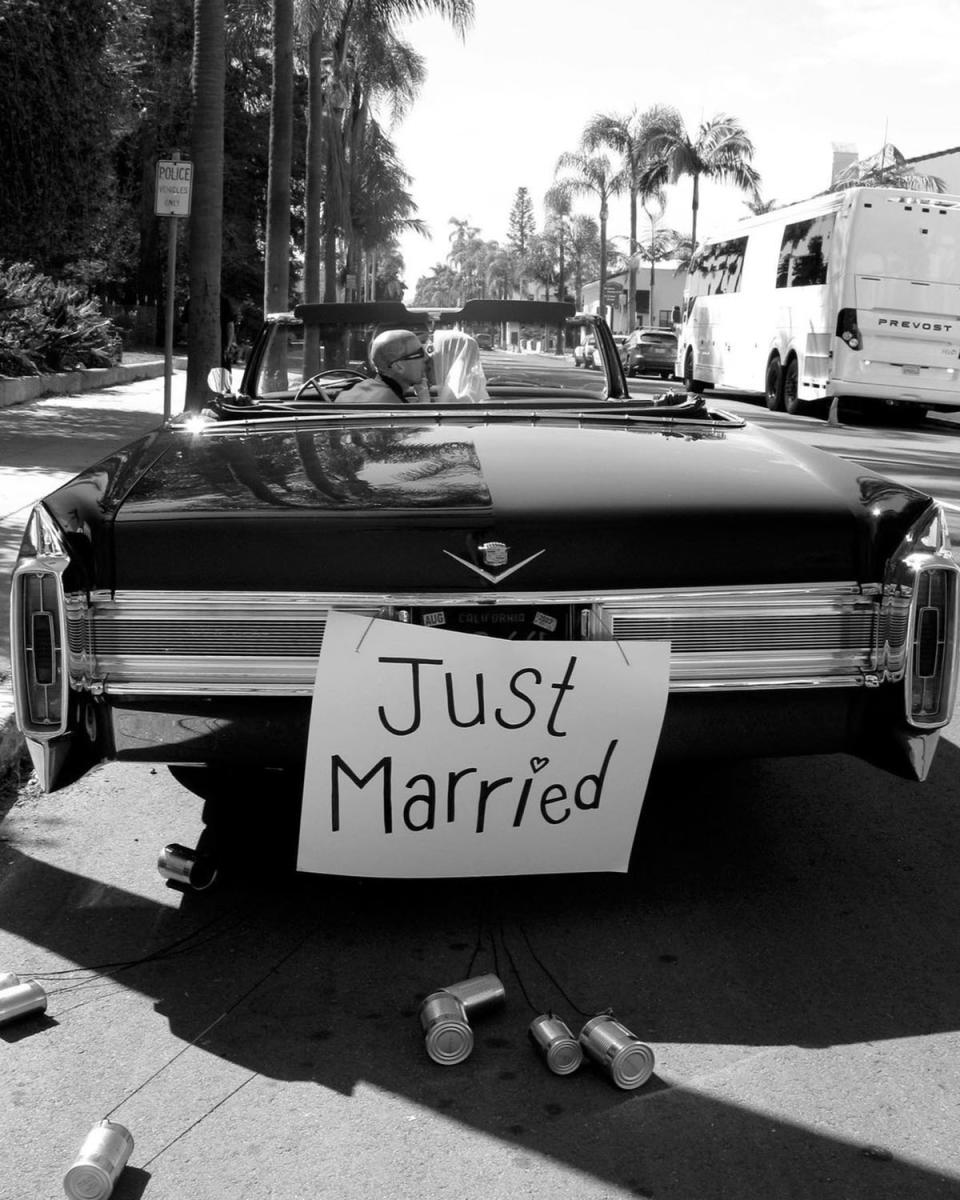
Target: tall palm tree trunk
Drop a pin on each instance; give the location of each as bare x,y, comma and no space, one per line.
603,255
313,199
206,217
276,292
632,272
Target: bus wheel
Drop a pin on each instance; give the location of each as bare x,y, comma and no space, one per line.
791,383
691,384
773,386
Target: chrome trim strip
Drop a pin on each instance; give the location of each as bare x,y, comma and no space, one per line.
267,643
286,691
178,601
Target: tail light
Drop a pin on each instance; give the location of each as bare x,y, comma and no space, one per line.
848,330
38,630
922,614
931,669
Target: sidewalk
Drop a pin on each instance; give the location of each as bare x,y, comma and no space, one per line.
46,441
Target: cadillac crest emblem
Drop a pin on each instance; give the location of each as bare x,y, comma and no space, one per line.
494,554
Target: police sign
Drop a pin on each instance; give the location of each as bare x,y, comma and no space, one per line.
174,182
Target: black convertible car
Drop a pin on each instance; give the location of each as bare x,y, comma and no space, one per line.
169,603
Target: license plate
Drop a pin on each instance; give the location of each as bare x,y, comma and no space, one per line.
514,622
911,370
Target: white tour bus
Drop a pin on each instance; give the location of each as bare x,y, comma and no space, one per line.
851,294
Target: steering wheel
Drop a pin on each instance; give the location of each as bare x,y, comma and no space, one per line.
341,374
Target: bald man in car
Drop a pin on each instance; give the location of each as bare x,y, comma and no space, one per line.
399,360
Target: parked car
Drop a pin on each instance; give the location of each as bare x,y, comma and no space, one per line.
584,352
169,604
650,351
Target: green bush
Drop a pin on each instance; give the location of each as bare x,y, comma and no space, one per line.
46,326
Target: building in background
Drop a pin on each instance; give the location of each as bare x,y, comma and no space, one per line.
669,278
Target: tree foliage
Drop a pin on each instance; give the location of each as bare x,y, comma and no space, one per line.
55,132
886,168
47,325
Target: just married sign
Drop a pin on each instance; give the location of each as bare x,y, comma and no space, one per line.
433,753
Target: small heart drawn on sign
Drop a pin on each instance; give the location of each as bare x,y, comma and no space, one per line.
537,764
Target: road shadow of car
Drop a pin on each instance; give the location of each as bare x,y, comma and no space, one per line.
769,904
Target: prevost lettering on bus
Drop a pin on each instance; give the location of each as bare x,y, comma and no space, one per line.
902,323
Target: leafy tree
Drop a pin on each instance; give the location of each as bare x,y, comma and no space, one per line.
60,87
720,150
521,224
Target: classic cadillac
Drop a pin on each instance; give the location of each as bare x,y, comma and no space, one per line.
169,604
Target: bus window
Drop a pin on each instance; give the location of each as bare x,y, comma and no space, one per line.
805,252
733,269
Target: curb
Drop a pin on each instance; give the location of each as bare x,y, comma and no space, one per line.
15,765
89,379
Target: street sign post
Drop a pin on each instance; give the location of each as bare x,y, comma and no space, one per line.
172,199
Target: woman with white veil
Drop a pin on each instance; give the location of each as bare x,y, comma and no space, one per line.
456,368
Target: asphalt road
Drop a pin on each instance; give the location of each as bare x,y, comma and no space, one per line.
785,942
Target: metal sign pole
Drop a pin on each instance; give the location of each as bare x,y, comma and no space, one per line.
168,327
174,185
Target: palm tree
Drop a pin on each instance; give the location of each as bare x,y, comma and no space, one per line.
720,151
629,135
654,205
206,215
501,271
559,205
759,206
465,241
381,206
584,251
276,274
593,174
886,168
342,73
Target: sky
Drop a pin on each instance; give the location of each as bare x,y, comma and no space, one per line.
500,106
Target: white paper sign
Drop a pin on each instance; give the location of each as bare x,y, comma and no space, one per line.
436,754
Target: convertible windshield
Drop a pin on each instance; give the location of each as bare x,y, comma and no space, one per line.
486,352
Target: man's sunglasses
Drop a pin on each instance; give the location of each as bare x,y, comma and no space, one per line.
412,357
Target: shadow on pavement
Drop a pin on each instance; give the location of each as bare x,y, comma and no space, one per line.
732,929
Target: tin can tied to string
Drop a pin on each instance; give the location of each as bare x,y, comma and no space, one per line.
20,1000
556,1043
180,864
447,1033
101,1158
627,1060
478,994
